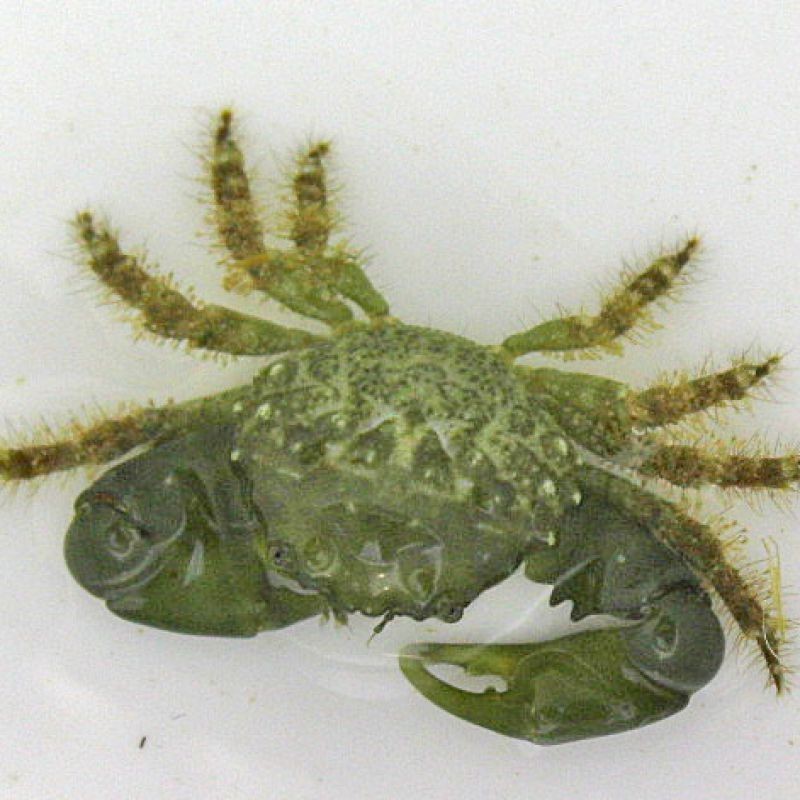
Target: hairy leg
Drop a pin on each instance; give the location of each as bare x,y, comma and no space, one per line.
314,276
104,440
615,421
673,399
694,466
620,312
166,312
235,212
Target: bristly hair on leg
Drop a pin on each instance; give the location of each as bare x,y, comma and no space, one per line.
775,642
749,468
625,311
684,397
763,591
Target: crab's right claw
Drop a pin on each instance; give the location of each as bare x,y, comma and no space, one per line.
169,539
570,688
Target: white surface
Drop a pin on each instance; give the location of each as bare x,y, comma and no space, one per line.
496,162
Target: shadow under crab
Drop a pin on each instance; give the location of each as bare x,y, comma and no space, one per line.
390,470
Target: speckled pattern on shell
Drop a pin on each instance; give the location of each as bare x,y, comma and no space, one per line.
420,425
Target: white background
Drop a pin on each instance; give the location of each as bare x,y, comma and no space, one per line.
497,159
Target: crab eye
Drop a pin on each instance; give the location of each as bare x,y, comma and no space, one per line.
280,554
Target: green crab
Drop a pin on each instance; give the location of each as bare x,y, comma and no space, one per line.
393,470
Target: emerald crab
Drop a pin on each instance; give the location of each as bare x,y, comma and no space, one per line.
393,470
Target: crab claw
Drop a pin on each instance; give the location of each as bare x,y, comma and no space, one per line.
169,539
562,690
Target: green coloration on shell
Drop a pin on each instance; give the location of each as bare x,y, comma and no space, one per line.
402,468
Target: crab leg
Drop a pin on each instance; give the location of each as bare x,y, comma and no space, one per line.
685,465
311,221
605,415
166,312
253,265
671,400
620,312
235,212
106,439
308,278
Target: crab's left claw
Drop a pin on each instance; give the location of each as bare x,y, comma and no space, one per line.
588,684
